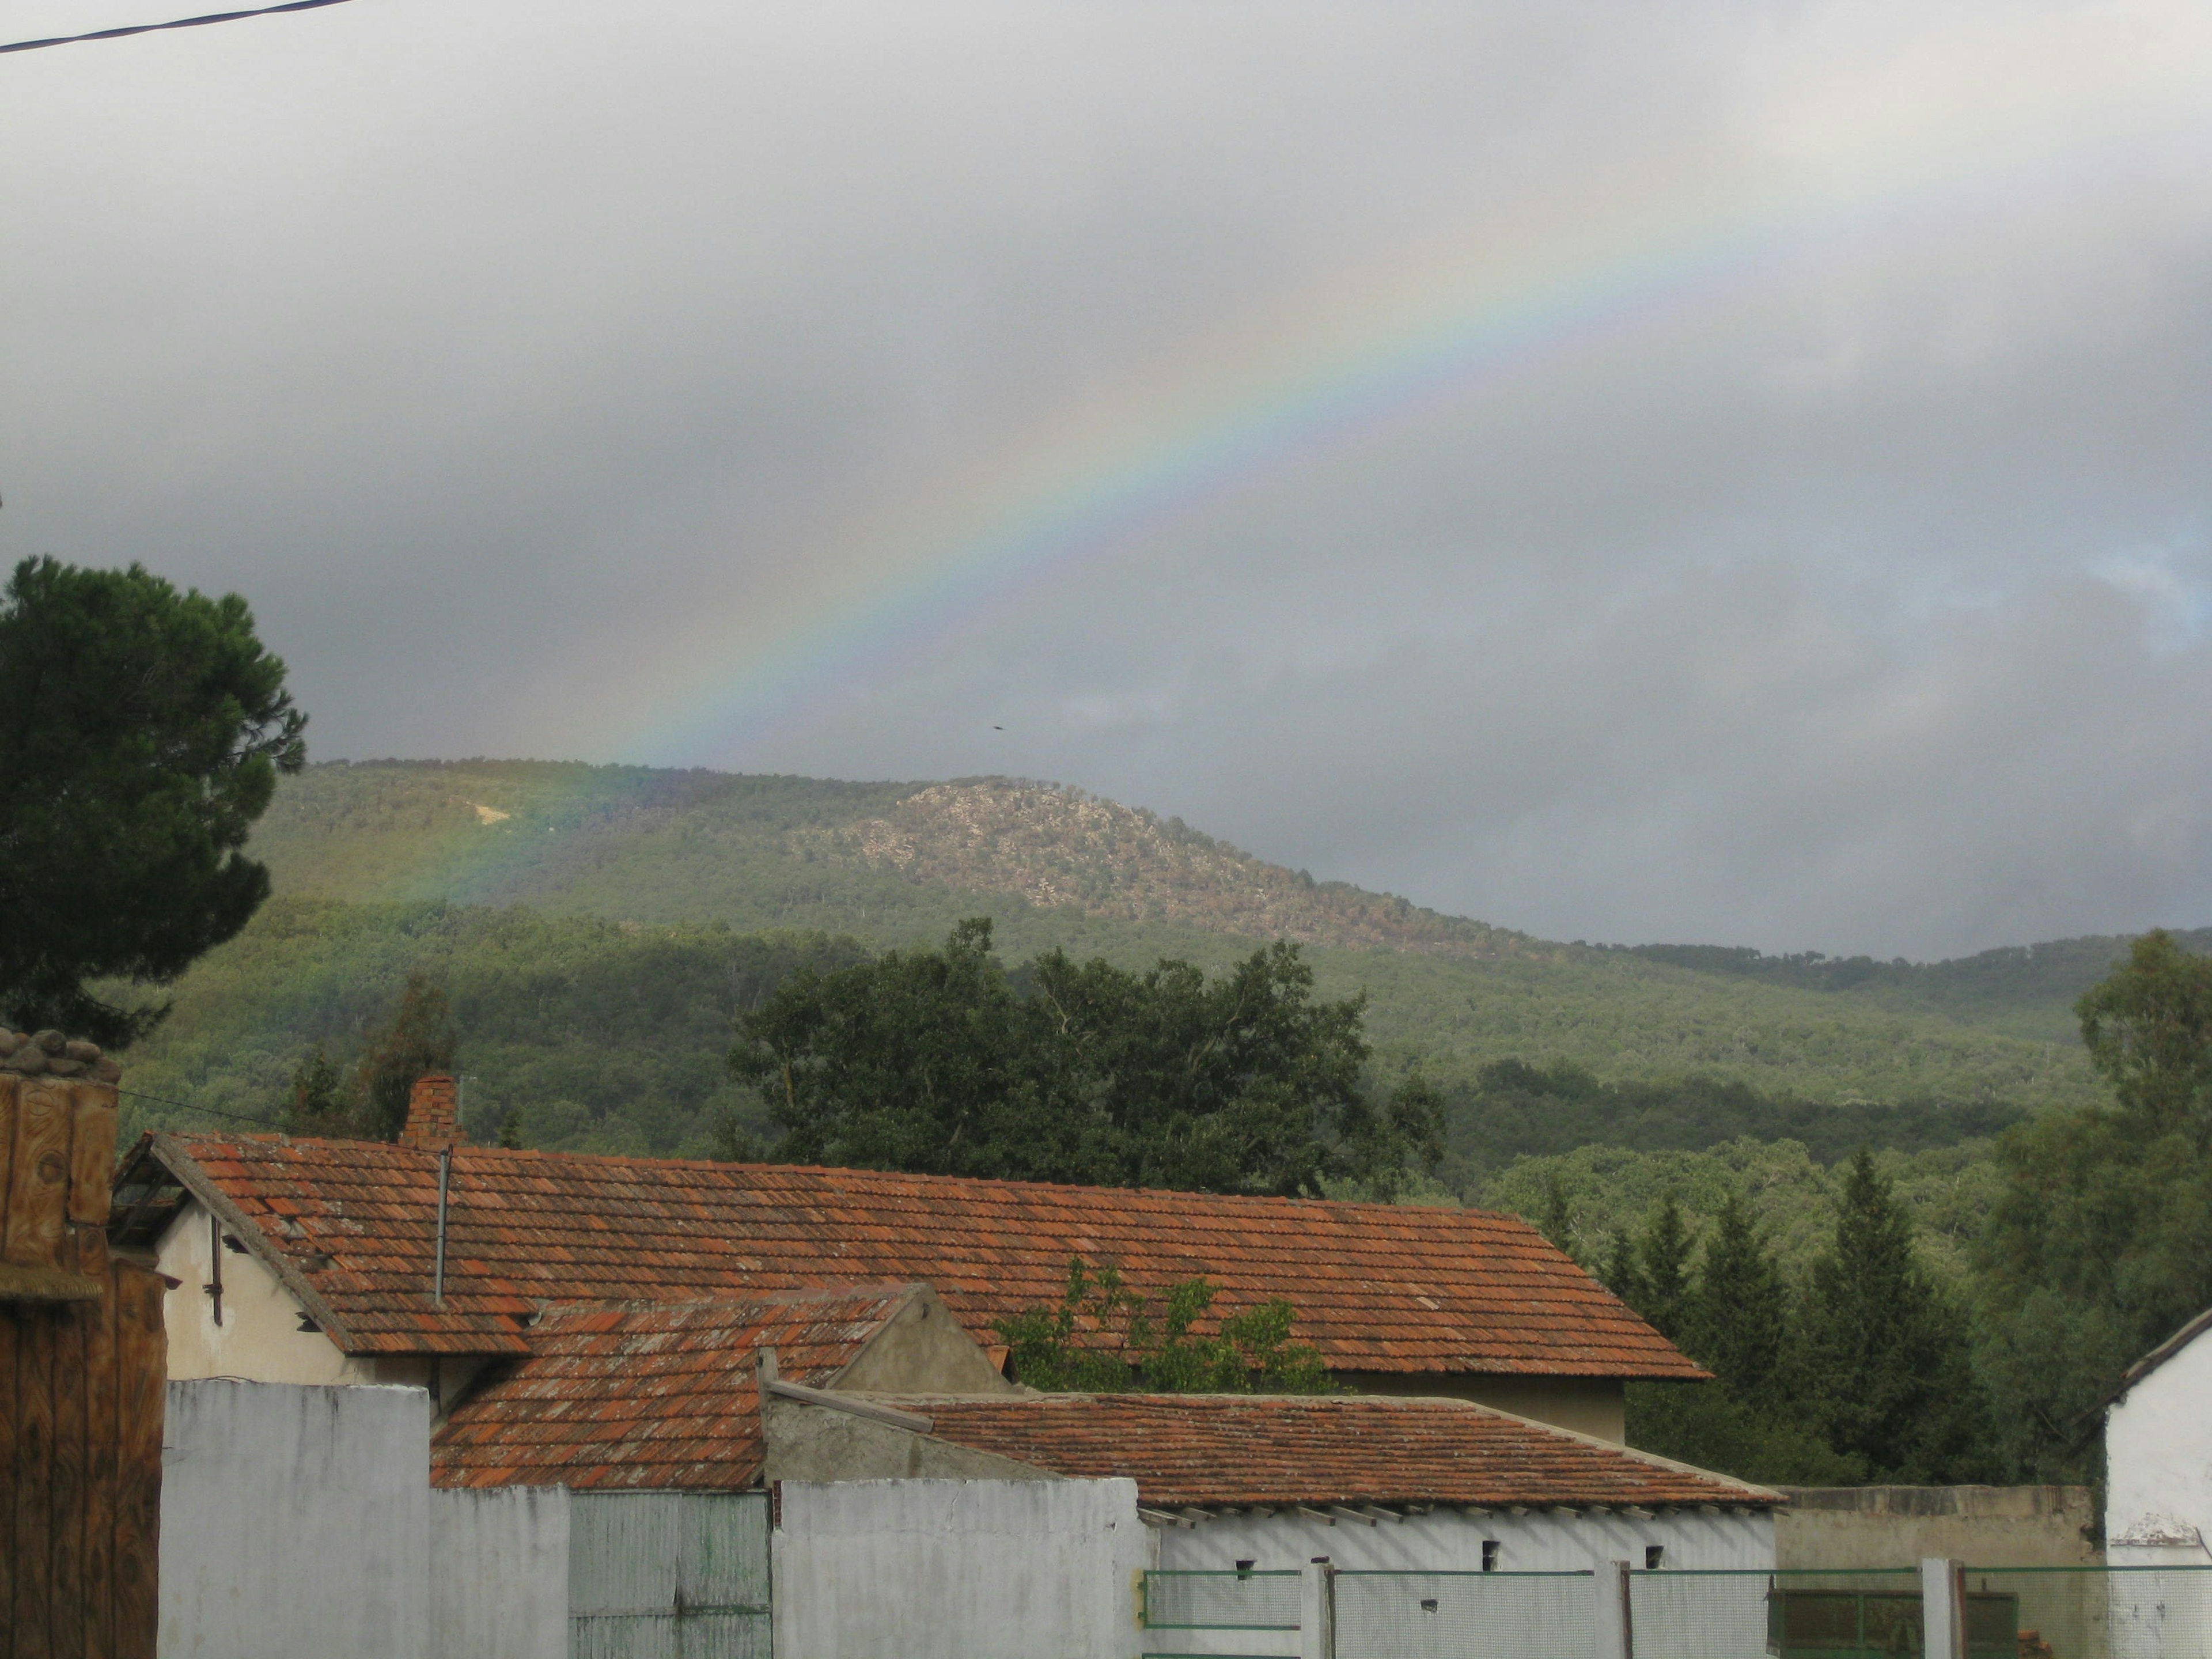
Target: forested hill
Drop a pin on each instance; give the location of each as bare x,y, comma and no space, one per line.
576,912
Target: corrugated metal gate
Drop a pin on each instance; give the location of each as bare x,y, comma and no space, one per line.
668,1576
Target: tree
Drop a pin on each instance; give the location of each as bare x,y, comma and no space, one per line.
1737,1322
317,1104
143,731
1663,1270
1621,1274
2149,1028
1105,1338
1885,1356
1556,1220
416,1041
2100,1242
939,1062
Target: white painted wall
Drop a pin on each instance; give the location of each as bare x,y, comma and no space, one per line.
958,1569
294,1521
499,1573
2158,1464
1451,1541
259,1337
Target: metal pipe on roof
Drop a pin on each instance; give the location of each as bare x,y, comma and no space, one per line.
438,1273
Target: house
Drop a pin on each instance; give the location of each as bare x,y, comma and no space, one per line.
326,1261
2158,1455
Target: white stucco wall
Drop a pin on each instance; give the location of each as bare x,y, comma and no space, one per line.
294,1521
1450,1540
259,1337
958,1569
499,1573
2158,1464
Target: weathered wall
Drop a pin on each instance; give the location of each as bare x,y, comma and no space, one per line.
819,1442
1450,1540
296,1521
1902,1526
81,1369
922,1349
958,1569
1589,1405
2158,1464
499,1573
258,1336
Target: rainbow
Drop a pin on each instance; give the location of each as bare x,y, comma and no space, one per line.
1410,339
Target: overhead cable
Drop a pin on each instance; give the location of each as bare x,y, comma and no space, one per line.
180,23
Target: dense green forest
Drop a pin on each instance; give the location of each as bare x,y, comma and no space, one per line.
1687,1120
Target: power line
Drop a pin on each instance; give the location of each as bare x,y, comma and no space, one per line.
180,23
212,1111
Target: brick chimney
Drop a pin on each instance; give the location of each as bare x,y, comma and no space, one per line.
434,1118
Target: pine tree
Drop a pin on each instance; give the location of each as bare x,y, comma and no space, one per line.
418,1041
1557,1222
1664,1271
1738,1321
1621,1275
1885,1357
317,1104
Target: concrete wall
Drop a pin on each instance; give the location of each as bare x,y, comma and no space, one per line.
2158,1464
259,1337
499,1573
958,1569
921,1349
1595,1405
294,1521
819,1442
1901,1526
1450,1540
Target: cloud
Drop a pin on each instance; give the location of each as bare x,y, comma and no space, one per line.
540,371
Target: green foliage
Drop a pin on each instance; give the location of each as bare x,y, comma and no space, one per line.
594,1037
940,1061
1738,1321
1885,1361
1105,1338
317,1105
663,849
2148,1030
1512,1108
1663,1278
418,1041
146,729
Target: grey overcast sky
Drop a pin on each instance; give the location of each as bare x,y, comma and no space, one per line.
1692,471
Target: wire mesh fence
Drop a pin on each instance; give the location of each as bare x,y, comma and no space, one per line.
1238,1599
1464,1615
1748,1614
2089,1613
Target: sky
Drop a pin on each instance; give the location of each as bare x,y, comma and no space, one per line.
1696,471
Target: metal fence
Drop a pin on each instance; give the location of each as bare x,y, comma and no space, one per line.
668,1576
1464,1615
2006,1612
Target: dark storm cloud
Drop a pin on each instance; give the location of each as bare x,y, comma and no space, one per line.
530,368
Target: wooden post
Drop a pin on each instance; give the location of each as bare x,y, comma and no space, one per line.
39,1183
34,1448
68,1320
100,1461
141,1383
10,1326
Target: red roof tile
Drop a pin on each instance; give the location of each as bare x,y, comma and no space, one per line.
1377,1287
1341,1448
660,1396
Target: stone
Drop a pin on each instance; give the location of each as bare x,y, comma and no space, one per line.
51,1041
8,1041
106,1071
63,1065
77,1049
30,1059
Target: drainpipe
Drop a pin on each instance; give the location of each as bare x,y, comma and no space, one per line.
438,1279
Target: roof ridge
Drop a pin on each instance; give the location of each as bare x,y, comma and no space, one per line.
872,1291
851,1172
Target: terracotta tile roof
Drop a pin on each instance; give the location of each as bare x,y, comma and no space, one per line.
1342,1448
1377,1287
657,1396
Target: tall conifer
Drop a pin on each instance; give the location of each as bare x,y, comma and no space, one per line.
1664,1261
1738,1326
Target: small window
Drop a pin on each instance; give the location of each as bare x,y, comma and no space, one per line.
1655,1557
1245,1565
1428,1604
307,1322
236,1247
1490,1555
